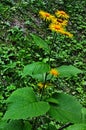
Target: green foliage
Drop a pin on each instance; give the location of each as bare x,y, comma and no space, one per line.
68,71
27,126
67,109
15,35
41,43
77,127
28,53
35,68
12,125
23,104
84,115
16,124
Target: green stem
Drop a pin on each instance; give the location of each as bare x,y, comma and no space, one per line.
52,45
42,91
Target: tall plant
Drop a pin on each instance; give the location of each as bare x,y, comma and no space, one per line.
43,106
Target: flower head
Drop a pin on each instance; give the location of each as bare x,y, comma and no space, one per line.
46,15
54,72
56,28
57,23
42,85
62,14
60,22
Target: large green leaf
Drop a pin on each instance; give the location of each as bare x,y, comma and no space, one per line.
52,100
40,77
22,104
15,125
68,108
84,115
77,127
27,126
41,43
12,125
67,71
22,94
35,68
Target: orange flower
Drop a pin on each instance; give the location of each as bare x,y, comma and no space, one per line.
59,29
56,28
60,22
54,72
45,15
62,14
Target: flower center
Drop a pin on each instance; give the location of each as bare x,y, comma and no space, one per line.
57,28
62,13
47,15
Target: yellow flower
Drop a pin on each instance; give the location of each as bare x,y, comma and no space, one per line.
62,14
56,28
54,72
46,15
52,18
41,85
68,34
59,29
60,22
